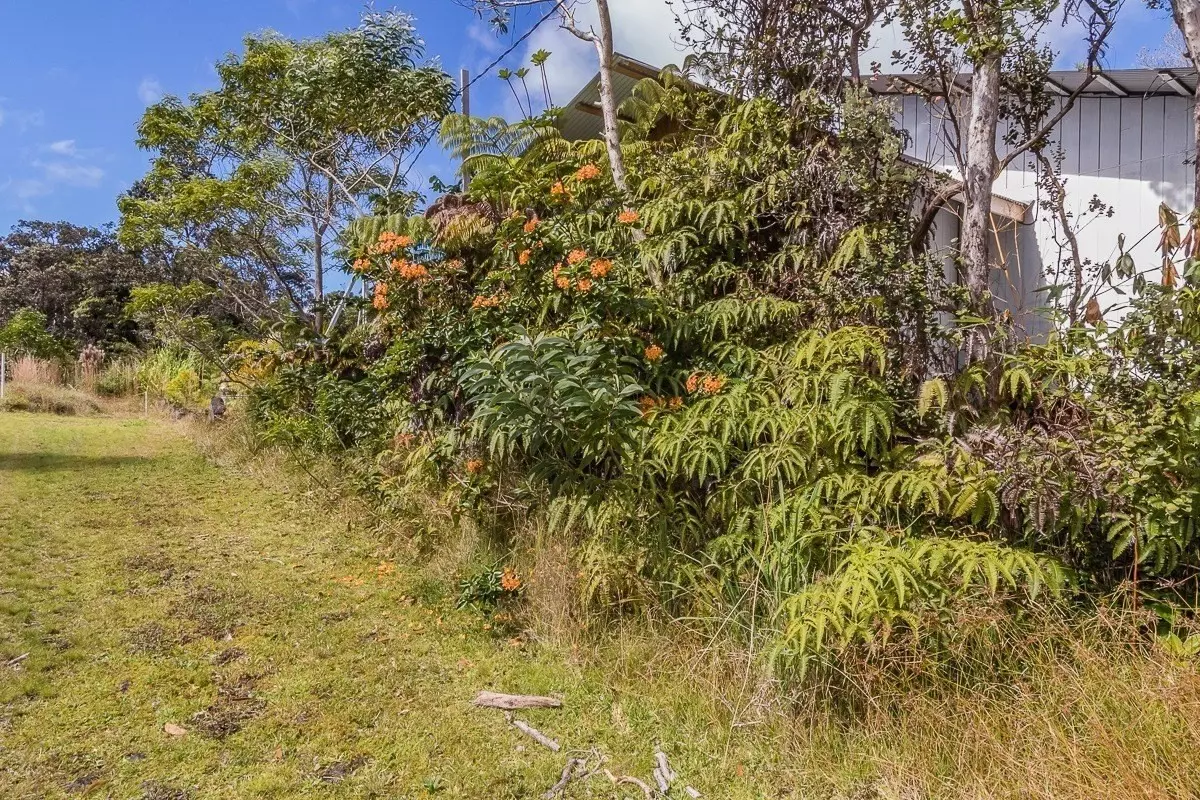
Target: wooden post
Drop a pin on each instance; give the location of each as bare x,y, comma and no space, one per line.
464,82
2,375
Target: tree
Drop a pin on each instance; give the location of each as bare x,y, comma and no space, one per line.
1187,18
302,137
600,37
25,334
78,278
1002,45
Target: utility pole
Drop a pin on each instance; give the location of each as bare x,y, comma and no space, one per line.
464,79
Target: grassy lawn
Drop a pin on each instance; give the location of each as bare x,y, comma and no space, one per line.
150,588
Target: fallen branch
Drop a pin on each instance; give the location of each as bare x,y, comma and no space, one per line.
663,774
631,780
512,702
535,734
12,662
568,774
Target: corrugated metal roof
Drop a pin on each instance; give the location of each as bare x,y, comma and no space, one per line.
1110,83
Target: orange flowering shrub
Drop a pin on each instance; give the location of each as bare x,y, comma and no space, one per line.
653,353
705,383
361,264
575,256
558,189
587,172
389,242
601,267
562,282
628,217
489,301
532,224
523,257
475,466
584,285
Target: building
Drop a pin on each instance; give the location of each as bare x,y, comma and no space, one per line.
1127,143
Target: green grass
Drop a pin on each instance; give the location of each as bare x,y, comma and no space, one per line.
150,587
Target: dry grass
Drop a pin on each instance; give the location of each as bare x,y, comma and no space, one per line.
48,398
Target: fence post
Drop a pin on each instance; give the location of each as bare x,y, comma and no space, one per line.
2,375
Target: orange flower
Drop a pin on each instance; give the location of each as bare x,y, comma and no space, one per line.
361,264
693,382
558,189
647,404
587,172
712,384
475,466
601,267
490,301
509,580
411,272
454,264
557,268
390,242
562,282
380,300
584,285
523,258
653,353
532,224
628,217
675,403
575,256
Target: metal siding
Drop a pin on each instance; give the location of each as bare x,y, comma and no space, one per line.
1152,140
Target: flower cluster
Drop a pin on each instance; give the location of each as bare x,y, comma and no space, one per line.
509,580
650,404
524,256
409,271
390,242
705,383
628,217
653,352
587,172
475,466
361,264
532,224
380,300
601,267
560,191
576,256
486,301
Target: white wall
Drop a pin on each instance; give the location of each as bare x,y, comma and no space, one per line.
1132,153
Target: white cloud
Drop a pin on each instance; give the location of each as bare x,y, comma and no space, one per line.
150,90
63,147
70,174
479,34
23,119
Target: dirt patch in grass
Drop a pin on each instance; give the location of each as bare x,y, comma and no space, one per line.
236,705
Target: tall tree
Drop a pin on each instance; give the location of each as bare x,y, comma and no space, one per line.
1187,18
600,36
301,137
78,278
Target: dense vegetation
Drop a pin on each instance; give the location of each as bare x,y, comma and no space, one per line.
735,388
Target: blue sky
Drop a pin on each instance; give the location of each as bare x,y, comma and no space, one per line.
75,76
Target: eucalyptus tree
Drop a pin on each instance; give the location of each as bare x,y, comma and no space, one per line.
301,137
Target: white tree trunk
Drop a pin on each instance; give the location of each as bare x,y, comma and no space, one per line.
608,102
980,168
1187,17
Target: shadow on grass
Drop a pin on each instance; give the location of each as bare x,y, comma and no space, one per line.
62,462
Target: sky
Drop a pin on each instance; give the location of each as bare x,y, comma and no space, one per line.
76,76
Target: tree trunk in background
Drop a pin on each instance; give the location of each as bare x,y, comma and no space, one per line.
608,101
318,277
977,184
1187,17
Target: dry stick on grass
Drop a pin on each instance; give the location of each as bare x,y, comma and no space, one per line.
533,733
630,779
12,662
574,766
512,702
